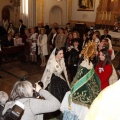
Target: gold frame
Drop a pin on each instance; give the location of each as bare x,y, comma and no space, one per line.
90,5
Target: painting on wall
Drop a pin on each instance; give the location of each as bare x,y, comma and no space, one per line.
86,5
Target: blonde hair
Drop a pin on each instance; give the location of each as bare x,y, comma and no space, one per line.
21,89
43,30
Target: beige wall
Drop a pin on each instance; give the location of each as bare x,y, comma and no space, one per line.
43,11
87,16
39,11
48,5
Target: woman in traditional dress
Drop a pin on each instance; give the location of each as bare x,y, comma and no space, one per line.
55,77
84,88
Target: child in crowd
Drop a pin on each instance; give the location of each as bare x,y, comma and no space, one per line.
18,40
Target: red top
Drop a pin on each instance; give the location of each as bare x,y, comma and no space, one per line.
104,74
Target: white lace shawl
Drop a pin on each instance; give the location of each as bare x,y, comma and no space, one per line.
53,67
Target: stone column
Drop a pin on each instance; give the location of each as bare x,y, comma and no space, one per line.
69,9
28,12
39,11
16,15
31,13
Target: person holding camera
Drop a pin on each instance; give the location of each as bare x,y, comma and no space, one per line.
33,108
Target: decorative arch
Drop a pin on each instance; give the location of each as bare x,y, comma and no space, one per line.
56,15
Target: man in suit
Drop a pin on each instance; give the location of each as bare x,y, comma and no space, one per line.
21,27
106,35
53,38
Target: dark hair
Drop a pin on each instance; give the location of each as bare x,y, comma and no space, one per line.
97,33
20,20
57,50
86,35
106,46
107,55
62,29
10,24
106,30
74,40
68,24
17,34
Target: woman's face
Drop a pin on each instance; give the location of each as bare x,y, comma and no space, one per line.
66,32
70,36
100,46
75,35
60,31
94,36
26,32
84,37
102,56
59,56
76,44
32,31
42,32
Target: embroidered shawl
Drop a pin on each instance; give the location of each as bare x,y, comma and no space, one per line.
85,86
53,67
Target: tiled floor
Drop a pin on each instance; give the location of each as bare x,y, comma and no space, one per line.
14,71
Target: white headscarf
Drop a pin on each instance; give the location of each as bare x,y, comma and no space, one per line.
53,67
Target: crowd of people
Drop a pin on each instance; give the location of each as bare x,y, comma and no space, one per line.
88,60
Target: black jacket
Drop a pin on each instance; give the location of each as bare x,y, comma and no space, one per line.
22,30
74,57
107,36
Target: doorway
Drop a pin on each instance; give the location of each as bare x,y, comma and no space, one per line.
55,15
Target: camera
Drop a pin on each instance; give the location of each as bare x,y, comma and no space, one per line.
36,94
40,83
14,113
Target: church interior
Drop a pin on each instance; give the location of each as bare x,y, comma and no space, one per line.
82,16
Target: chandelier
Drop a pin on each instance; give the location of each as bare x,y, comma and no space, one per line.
15,3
